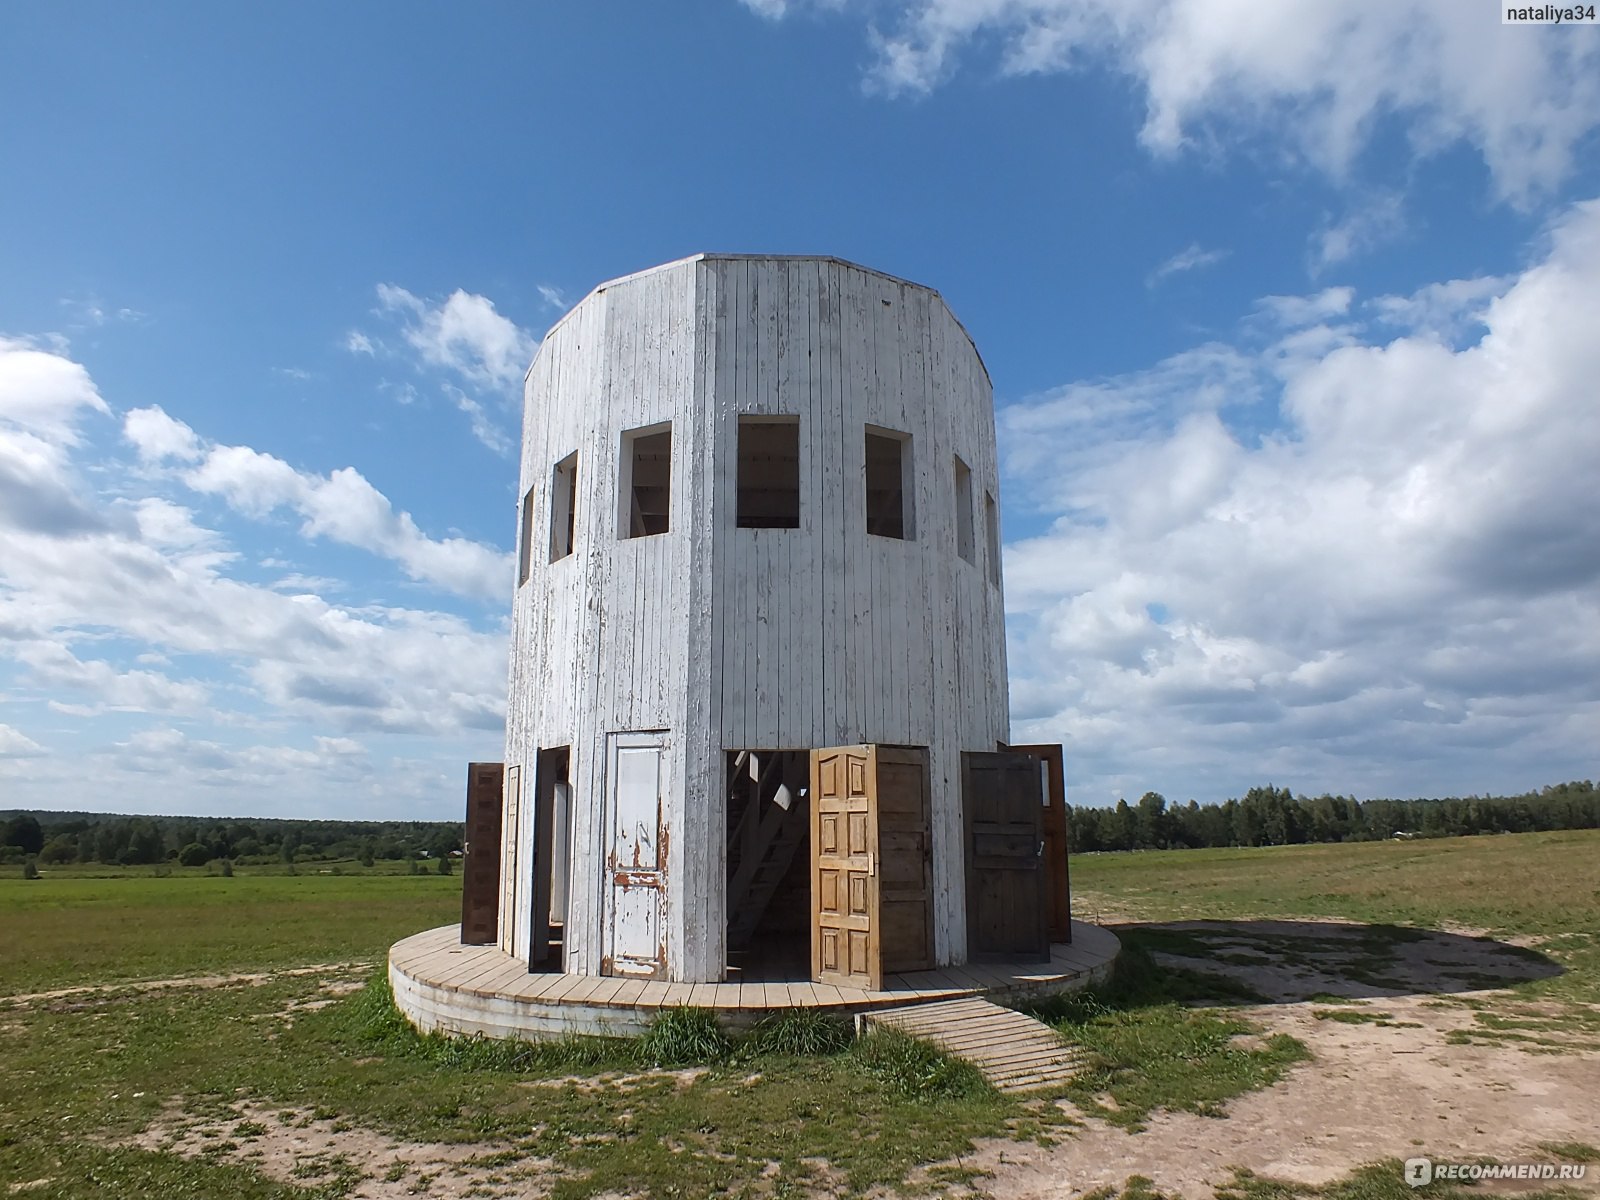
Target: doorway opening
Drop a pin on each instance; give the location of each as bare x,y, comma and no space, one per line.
552,859
768,885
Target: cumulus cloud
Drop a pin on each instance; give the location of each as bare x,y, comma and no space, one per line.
1323,73
16,744
43,397
342,506
114,600
54,667
463,334
1390,586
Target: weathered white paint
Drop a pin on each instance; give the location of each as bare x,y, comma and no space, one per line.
728,637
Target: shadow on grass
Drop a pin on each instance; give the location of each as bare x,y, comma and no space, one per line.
1285,961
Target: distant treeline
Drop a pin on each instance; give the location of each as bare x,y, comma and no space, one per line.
61,837
1270,816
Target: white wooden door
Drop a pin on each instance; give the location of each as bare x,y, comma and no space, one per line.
635,873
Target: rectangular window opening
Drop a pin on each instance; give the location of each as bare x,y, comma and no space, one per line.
769,473
563,506
889,509
525,540
963,479
646,490
991,520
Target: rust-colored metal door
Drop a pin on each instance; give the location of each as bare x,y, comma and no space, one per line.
905,859
845,899
1002,803
1057,880
480,866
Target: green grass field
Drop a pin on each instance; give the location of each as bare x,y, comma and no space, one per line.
82,926
801,1110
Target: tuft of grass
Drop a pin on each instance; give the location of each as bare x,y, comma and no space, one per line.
1353,1016
1581,1152
681,1037
1135,1187
1374,1181
916,1070
1150,1049
802,1032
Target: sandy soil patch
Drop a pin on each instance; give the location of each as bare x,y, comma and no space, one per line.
1391,1086
293,1147
1372,1092
135,986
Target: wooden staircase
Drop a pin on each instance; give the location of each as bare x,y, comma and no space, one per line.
1014,1052
765,842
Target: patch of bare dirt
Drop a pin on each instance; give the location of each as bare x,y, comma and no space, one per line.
61,1000
294,1147
1372,1092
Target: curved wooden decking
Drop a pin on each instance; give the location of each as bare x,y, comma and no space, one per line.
442,985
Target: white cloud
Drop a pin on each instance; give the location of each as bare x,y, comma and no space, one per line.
1322,74
1393,587
16,744
483,428
341,506
43,393
117,601
1370,225
359,343
463,334
1191,258
156,436
52,666
554,297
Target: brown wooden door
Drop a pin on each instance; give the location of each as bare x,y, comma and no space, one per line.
904,859
1003,806
480,866
845,894
1057,881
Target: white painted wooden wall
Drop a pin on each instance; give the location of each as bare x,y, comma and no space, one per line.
725,637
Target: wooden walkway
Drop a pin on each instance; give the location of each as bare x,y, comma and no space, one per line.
442,985
1014,1052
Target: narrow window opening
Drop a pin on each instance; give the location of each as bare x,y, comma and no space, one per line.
991,520
525,540
646,490
563,506
889,512
963,479
769,473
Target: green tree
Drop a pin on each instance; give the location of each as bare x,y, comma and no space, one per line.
24,833
63,848
194,855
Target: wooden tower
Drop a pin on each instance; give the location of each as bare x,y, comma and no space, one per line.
758,663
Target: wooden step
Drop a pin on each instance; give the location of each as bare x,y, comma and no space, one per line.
1014,1052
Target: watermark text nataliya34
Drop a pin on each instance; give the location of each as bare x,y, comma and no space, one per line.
1548,14
1423,1171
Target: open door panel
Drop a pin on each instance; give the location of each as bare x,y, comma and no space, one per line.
845,892
1057,883
480,867
1002,806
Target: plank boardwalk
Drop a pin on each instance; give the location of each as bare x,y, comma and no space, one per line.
1014,1052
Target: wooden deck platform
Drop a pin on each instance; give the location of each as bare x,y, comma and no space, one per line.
1014,1052
442,985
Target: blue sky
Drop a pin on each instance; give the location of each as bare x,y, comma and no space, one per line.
1291,313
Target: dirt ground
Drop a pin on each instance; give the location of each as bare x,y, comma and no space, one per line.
1384,1082
1390,1087
1371,1092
